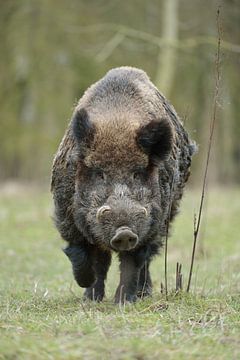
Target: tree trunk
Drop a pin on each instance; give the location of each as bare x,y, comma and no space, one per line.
167,53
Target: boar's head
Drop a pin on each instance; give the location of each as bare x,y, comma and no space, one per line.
117,200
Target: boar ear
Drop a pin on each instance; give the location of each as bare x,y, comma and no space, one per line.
155,139
82,128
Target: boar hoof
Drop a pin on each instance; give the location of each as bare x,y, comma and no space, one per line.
122,297
93,294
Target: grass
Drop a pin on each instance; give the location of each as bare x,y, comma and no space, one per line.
42,315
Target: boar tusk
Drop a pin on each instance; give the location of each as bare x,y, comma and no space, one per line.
144,211
103,209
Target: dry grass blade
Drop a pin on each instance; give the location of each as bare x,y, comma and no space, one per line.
197,220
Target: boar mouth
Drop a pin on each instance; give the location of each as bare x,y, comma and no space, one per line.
124,239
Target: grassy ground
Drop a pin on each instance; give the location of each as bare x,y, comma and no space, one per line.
42,315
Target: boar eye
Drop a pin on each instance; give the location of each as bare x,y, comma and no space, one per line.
136,175
139,174
100,174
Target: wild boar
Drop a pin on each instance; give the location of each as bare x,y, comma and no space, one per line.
117,180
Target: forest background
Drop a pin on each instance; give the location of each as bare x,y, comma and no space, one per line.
51,51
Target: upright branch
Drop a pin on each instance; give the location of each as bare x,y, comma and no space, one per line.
165,262
166,240
178,277
197,220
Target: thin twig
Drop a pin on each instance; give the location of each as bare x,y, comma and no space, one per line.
178,277
145,279
197,221
165,264
110,46
162,288
166,239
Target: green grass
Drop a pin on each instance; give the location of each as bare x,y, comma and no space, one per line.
42,315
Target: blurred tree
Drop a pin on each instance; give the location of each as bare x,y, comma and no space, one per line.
52,51
168,56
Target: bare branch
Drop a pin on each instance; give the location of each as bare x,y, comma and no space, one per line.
197,220
109,47
166,263
153,39
166,237
178,277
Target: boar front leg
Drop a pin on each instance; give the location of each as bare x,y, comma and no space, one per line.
145,283
129,276
82,264
101,263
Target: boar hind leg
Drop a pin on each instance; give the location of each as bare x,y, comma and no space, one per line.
145,283
81,259
101,263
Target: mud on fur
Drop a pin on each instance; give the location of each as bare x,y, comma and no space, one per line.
119,172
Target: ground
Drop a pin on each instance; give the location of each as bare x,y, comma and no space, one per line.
42,315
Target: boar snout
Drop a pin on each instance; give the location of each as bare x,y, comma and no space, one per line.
124,239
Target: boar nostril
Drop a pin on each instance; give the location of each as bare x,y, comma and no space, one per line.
124,239
103,210
117,242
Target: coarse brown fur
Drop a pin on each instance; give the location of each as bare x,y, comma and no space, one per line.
117,179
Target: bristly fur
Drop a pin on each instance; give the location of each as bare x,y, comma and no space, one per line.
126,150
